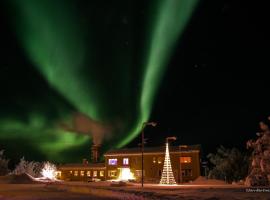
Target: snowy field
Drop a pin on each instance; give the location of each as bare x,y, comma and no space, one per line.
103,190
42,192
185,192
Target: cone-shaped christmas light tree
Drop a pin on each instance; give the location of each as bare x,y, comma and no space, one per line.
167,174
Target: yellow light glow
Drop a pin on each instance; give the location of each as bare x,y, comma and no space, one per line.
125,174
88,173
49,171
101,173
82,173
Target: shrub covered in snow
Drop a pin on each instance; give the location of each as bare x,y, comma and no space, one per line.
32,168
49,170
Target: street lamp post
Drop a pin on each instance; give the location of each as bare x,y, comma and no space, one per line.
142,144
180,166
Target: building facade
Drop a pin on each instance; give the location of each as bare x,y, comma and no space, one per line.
82,172
185,161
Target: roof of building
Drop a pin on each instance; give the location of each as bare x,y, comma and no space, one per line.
161,149
82,165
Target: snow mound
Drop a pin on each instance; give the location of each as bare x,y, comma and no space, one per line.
17,179
204,181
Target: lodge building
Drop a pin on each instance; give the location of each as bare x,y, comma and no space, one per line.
185,161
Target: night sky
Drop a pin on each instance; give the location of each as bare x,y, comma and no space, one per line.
197,68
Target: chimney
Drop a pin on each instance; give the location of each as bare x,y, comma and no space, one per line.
95,153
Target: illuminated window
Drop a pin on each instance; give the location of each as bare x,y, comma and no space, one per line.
112,173
82,173
88,173
125,161
70,172
58,174
154,160
75,173
113,161
95,173
101,173
185,159
159,160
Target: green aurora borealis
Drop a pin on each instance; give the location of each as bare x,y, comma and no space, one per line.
107,64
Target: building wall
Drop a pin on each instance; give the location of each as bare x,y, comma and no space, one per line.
190,171
153,166
81,174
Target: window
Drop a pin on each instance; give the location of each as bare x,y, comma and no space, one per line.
185,159
75,173
113,161
112,173
101,173
159,160
154,160
88,173
125,161
186,172
58,174
82,173
94,173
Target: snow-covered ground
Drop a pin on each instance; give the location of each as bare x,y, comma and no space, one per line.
42,192
155,191
198,190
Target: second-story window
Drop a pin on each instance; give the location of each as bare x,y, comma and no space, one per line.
185,159
125,161
112,161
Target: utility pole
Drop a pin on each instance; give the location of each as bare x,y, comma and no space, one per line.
180,167
142,144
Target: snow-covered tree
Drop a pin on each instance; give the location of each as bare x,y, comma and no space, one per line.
260,166
32,168
3,164
229,164
49,170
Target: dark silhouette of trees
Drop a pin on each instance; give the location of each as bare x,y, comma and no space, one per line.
229,164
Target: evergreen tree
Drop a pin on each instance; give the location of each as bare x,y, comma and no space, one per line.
229,164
